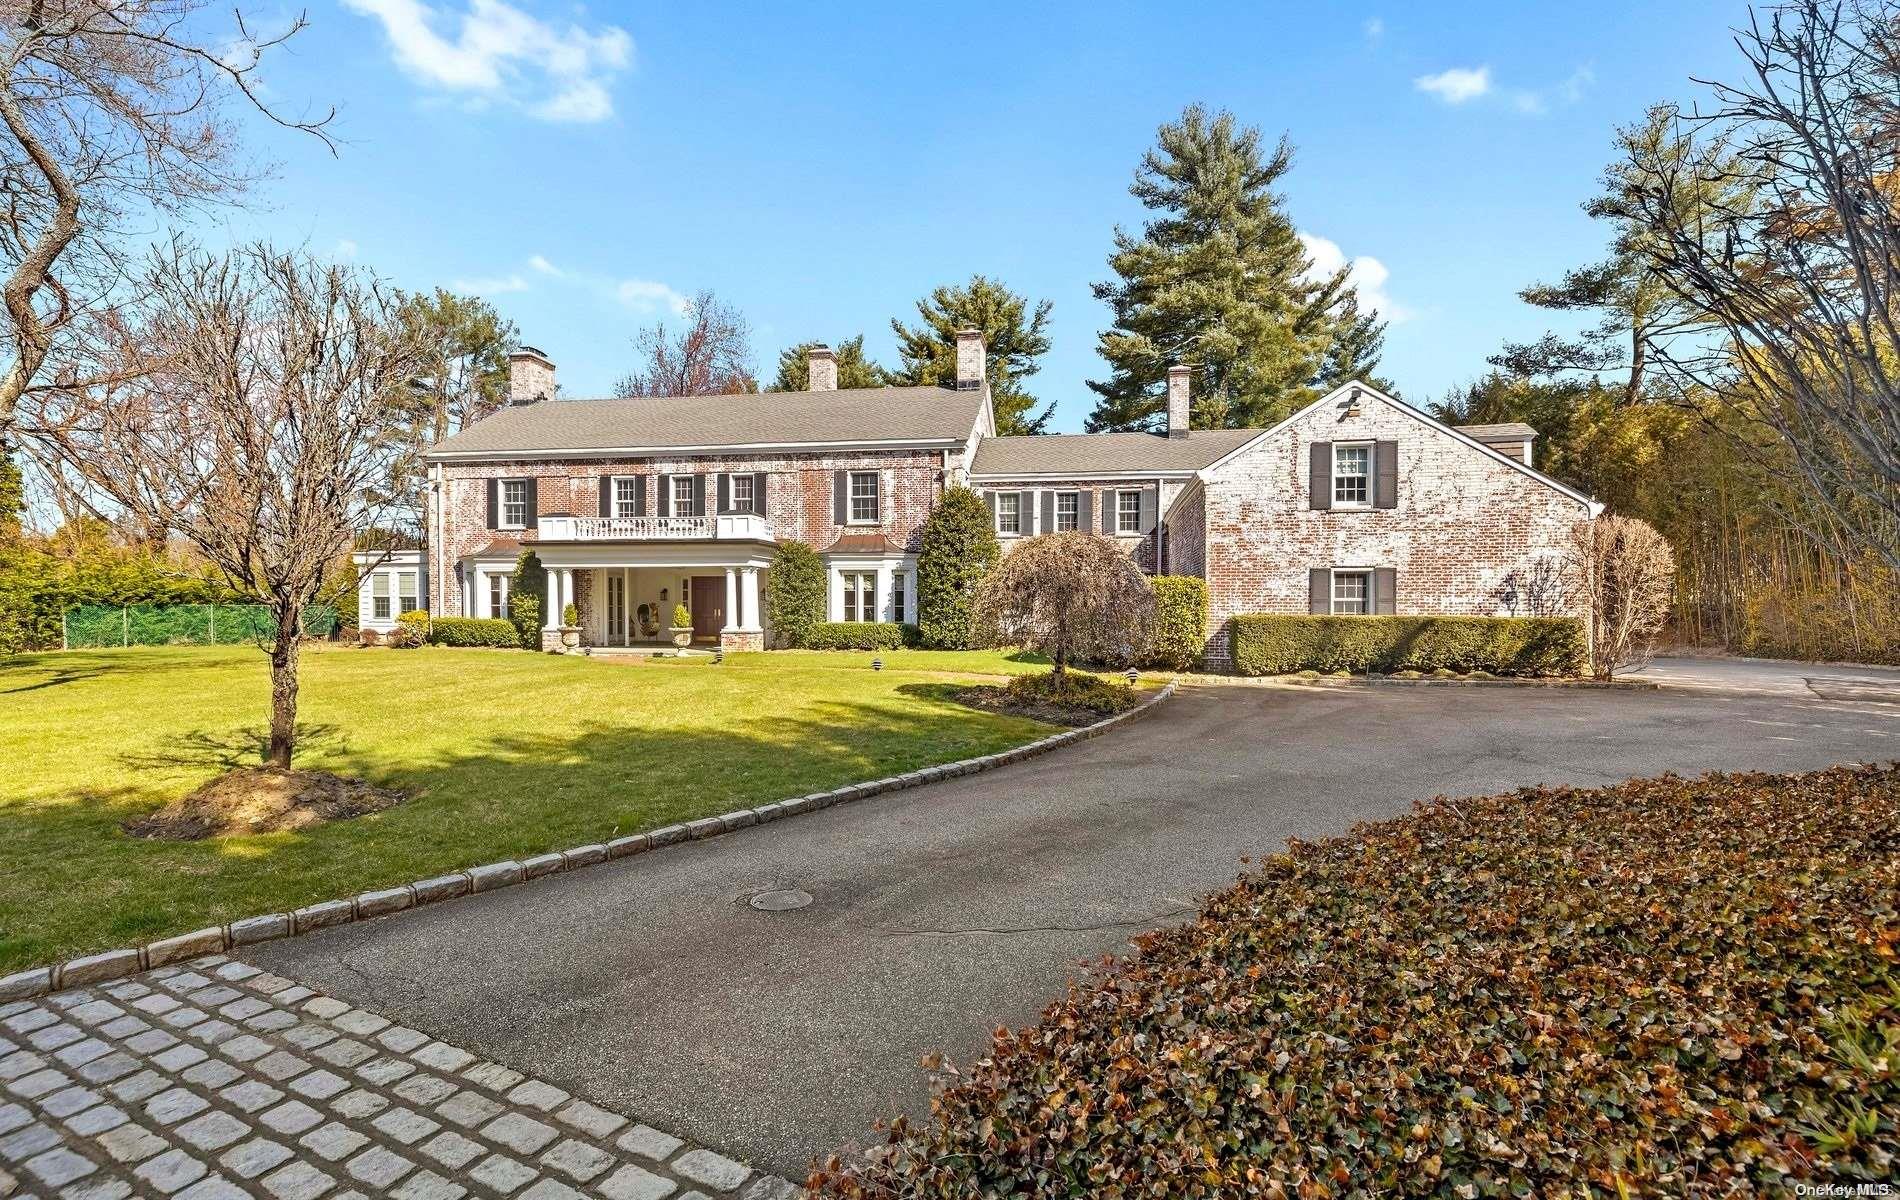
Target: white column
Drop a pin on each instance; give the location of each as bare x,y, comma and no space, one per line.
883,609
749,592
551,616
567,590
732,600
475,599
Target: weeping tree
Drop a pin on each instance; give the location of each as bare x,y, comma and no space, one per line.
257,412
1069,596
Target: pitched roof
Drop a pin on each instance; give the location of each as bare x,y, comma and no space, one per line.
1105,453
1509,431
848,416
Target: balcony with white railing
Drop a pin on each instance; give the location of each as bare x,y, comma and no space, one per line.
737,527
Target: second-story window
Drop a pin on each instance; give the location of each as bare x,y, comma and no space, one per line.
742,494
1352,469
1009,512
682,495
864,496
514,503
626,497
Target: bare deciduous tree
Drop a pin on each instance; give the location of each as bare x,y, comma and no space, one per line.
711,356
1793,252
1625,571
110,112
261,416
1070,596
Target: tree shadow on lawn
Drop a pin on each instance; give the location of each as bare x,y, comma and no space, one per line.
55,677
234,748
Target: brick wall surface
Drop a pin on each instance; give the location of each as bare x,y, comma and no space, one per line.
1466,527
798,498
1187,535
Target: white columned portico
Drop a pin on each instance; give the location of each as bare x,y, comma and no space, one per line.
732,601
749,594
551,616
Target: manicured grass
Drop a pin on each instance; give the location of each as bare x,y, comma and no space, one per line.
504,753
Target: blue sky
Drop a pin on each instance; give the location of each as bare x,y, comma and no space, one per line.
822,166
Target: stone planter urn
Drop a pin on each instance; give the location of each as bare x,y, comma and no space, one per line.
570,636
682,635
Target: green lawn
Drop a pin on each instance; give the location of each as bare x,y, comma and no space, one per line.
504,754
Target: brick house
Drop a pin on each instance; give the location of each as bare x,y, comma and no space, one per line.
1357,503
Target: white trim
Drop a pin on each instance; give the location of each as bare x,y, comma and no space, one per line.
1332,591
997,478
1117,494
1371,447
1055,509
662,452
850,497
501,502
1593,507
997,519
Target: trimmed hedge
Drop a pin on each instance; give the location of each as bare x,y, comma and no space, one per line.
1667,988
1277,645
1180,632
859,635
794,594
475,631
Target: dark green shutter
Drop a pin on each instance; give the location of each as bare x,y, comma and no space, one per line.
989,498
758,492
1320,475
534,504
639,495
1150,509
1319,591
725,492
699,495
840,497
1048,512
1084,511
1109,505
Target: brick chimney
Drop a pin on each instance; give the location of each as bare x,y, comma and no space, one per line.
1178,391
821,369
530,376
972,360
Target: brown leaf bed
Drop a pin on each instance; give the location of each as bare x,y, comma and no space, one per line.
1672,987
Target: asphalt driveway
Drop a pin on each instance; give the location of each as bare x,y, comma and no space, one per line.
651,985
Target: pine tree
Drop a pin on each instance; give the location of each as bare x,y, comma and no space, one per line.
856,369
1012,335
1219,280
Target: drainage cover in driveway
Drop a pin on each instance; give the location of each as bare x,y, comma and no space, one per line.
781,900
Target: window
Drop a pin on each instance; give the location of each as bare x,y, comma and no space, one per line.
1068,510
897,597
1352,592
863,496
742,494
406,600
379,595
498,596
682,495
860,595
1009,512
627,497
1352,469
514,504
1127,512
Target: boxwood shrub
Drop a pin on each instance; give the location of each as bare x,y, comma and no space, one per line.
860,635
475,631
1277,645
1667,988
1180,633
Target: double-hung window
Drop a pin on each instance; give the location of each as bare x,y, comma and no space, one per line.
379,595
1127,512
741,486
897,597
514,504
626,496
1352,476
1009,512
406,598
682,495
864,497
498,596
1352,593
860,595
1068,511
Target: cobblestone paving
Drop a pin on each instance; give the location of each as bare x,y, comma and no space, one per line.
215,1080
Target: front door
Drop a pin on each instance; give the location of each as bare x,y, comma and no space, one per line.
616,630
709,607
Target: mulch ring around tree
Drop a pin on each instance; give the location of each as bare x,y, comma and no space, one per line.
1080,699
263,800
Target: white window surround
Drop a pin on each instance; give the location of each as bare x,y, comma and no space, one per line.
626,488
1351,591
740,487
1068,511
884,574
1009,514
1352,474
408,597
862,498
497,598
379,590
1128,511
514,504
682,498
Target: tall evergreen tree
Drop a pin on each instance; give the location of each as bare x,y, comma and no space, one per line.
1219,280
1012,334
856,369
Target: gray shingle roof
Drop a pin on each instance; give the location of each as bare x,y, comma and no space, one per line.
1107,453
905,414
1509,431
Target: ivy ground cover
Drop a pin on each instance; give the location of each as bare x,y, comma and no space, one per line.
1672,987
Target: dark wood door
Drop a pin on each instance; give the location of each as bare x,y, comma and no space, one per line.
709,607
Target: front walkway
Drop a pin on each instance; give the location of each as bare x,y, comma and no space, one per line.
218,1080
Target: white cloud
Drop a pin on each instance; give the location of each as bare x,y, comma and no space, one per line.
1374,28
538,263
492,287
1572,89
1367,274
1457,85
345,248
500,53
646,296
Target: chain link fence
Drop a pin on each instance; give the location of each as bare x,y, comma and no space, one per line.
92,626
